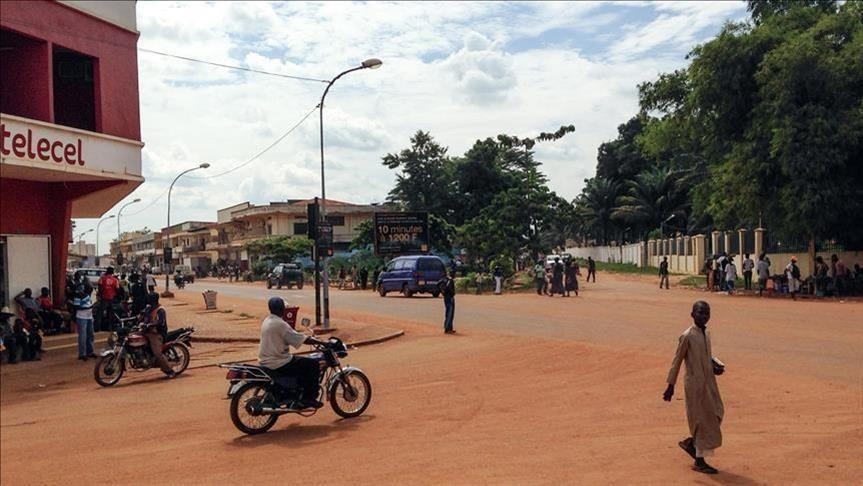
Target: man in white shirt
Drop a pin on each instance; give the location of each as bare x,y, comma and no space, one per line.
762,268
277,337
748,265
730,275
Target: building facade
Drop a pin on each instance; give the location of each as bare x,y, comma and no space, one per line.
70,131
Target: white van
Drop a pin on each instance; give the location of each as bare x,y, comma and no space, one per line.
549,260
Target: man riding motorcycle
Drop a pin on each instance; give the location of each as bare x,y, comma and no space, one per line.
274,352
157,326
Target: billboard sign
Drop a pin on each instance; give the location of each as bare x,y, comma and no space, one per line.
401,233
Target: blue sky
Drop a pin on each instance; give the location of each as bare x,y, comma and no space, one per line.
461,70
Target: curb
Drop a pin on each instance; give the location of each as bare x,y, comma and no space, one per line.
354,344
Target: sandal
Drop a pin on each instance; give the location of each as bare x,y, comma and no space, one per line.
688,447
705,468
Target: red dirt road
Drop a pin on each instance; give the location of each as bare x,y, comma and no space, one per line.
550,406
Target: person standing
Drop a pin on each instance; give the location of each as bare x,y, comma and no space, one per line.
447,289
364,277
762,269
108,290
498,280
663,272
539,277
704,408
83,306
591,269
557,277
792,271
730,275
342,276
748,265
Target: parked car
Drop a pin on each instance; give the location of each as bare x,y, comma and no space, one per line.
411,274
549,260
187,272
288,274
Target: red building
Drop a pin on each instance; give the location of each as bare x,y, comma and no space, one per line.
70,129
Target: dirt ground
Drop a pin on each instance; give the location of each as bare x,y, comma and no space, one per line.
527,403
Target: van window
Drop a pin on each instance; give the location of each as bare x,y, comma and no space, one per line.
432,264
402,264
391,266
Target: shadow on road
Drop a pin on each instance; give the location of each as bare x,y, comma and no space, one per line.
298,434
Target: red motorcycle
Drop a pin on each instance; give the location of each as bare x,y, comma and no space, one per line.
128,346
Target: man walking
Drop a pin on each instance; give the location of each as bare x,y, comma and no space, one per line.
762,269
591,269
447,289
498,280
792,271
730,275
704,408
748,265
539,277
663,272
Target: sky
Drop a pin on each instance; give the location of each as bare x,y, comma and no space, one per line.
462,71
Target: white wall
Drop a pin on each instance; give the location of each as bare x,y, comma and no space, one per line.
29,263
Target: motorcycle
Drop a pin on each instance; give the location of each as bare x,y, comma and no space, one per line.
180,281
129,347
258,398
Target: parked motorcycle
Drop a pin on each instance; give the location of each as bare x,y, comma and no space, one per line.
180,281
258,398
128,346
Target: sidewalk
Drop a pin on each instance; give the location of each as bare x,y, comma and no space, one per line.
237,320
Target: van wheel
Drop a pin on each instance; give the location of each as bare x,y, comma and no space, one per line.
381,290
407,291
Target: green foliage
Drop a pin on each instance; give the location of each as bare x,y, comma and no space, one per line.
365,235
280,248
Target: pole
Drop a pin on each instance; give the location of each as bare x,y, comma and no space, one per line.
98,225
167,239
119,248
323,212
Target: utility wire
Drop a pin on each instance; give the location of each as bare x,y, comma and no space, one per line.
301,78
262,152
247,162
125,46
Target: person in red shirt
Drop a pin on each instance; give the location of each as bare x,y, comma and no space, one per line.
52,319
109,288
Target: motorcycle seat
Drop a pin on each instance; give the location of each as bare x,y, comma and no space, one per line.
172,335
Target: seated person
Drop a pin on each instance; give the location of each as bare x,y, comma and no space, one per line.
156,320
33,325
274,353
26,301
51,318
27,339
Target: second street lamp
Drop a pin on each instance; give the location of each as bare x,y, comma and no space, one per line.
119,248
97,236
367,64
166,240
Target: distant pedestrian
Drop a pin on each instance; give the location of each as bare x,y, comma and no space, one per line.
539,277
730,276
557,277
704,407
151,282
707,270
342,276
762,269
498,280
447,289
364,277
83,306
375,274
591,269
663,272
839,273
792,272
570,272
354,276
748,266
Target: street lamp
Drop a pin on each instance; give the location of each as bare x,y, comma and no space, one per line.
367,64
167,237
81,235
97,236
119,248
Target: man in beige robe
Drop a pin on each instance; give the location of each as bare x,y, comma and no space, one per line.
704,409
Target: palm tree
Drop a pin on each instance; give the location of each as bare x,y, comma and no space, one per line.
653,197
596,206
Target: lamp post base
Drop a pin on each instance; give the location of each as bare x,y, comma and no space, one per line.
167,294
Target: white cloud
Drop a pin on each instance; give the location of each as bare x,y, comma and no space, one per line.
446,70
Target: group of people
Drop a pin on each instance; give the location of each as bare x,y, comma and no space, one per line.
359,278
561,277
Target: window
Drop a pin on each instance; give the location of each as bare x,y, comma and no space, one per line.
74,90
336,220
301,228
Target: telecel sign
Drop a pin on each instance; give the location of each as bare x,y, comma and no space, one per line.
401,233
26,145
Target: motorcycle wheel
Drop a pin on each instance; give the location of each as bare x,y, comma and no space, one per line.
248,397
109,369
351,394
178,357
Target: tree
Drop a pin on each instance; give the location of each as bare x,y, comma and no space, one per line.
425,181
652,198
596,205
280,248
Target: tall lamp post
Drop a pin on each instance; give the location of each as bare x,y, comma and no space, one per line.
81,235
97,236
367,64
119,248
167,237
